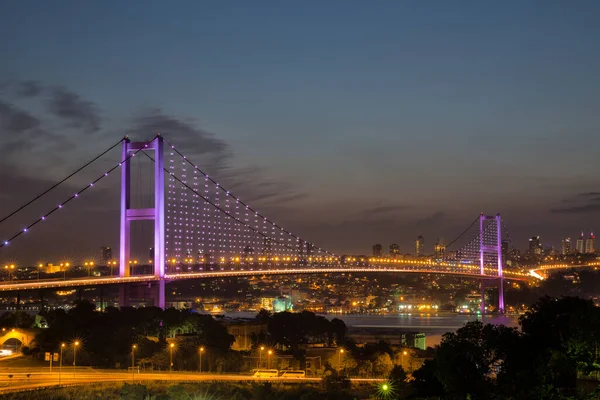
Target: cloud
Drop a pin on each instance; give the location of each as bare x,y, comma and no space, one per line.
589,194
28,89
69,106
385,209
182,134
432,219
583,209
14,121
582,203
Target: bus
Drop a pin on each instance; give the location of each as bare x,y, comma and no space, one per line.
294,374
265,373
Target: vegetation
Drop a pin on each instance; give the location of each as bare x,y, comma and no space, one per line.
204,391
106,339
557,344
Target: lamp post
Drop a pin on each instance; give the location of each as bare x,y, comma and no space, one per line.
133,348
62,347
171,346
75,345
340,358
269,353
402,358
200,352
40,266
262,348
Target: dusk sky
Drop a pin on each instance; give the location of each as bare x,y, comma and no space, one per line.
348,122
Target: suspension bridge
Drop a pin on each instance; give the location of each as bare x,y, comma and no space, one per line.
202,230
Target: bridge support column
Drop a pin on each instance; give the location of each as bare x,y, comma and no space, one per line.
161,294
501,295
156,213
124,295
482,304
496,249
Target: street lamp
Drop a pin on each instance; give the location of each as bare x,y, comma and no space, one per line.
40,266
200,352
75,345
62,347
340,358
402,358
171,346
269,358
262,348
133,348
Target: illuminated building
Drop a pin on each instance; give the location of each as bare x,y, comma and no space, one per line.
267,303
420,246
377,250
439,250
579,244
267,249
504,248
282,304
566,246
535,248
590,244
394,250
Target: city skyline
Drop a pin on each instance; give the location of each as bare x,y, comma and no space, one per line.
416,151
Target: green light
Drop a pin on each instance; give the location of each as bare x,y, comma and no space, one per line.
385,387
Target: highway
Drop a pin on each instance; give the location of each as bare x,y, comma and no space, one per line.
461,271
34,378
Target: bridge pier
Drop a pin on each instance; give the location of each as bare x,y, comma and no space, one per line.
482,303
154,291
501,295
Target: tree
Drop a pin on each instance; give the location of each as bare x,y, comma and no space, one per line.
382,365
426,382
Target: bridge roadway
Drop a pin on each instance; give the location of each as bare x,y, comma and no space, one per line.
41,377
111,280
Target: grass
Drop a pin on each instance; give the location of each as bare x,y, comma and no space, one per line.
23,362
188,391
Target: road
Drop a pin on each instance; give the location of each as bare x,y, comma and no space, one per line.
453,270
41,377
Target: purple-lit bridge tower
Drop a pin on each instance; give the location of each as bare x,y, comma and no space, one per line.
156,213
490,255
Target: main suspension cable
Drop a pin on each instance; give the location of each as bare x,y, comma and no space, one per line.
39,196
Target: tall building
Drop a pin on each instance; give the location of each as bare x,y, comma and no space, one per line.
420,246
566,246
106,254
579,244
535,247
439,250
504,248
377,250
394,250
267,249
590,244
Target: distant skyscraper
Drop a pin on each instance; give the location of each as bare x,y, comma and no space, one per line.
566,246
106,254
377,249
504,247
267,249
535,248
420,246
439,250
394,250
579,244
590,244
